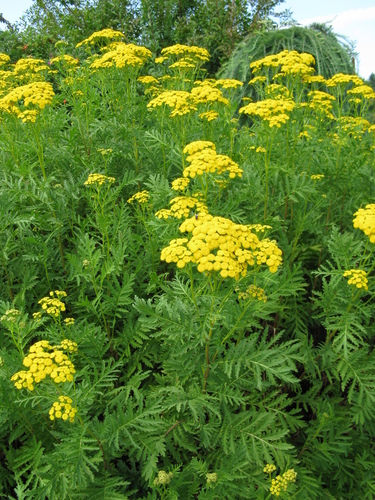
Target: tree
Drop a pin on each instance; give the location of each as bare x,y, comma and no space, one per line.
333,53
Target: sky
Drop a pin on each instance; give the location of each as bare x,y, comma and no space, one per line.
355,19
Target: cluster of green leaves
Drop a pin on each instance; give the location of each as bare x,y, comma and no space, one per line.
174,372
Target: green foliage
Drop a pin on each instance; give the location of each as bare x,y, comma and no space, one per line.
187,379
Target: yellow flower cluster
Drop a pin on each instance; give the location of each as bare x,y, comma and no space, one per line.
363,90
281,482
183,63
65,59
211,477
163,478
36,94
69,321
63,409
122,55
206,160
10,315
183,51
52,305
141,197
228,83
272,110
218,244
290,62
99,180
277,91
317,177
148,80
209,115
254,292
364,219
4,59
354,126
182,206
207,94
29,65
357,277
313,79
269,468
100,35
342,79
321,102
180,184
44,360
180,101
104,152
259,228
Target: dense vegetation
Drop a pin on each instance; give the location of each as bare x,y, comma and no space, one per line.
187,303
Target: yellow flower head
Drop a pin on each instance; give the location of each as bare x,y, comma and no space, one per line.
98,180
62,408
364,219
141,197
357,277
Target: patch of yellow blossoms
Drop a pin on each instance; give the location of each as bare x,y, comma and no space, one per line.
281,483
63,409
218,244
290,62
204,159
357,277
52,305
364,219
141,197
183,51
100,35
254,292
274,111
181,102
122,55
98,180
182,206
163,478
46,360
180,184
37,94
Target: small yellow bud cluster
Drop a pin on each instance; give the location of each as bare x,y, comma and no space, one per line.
317,177
180,184
206,160
63,409
211,477
281,482
358,278
69,321
269,468
364,219
254,292
260,149
105,152
163,478
37,316
10,315
44,360
304,134
141,197
182,206
259,228
218,244
98,180
52,305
